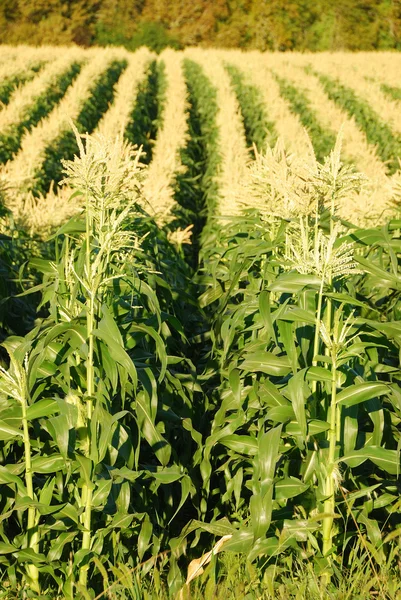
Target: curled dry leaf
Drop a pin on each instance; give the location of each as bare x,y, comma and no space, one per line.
195,567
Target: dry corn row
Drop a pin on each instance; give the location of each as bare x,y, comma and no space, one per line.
355,144
16,67
232,143
25,96
21,171
41,215
171,137
288,126
116,118
342,68
383,67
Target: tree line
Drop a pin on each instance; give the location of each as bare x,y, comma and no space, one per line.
260,24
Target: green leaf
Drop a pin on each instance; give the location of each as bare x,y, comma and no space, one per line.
266,362
299,529
287,337
75,225
59,430
57,545
318,374
120,521
166,475
160,347
263,547
384,276
218,528
243,444
30,556
289,487
7,548
144,537
241,542
265,313
8,432
101,493
388,460
314,427
360,392
160,446
235,384
42,408
294,313
299,394
291,283
280,414
110,334
8,478
48,464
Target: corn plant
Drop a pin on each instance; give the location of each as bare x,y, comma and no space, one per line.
196,187
292,437
93,448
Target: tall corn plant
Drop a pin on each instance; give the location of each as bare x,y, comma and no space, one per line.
92,477
307,380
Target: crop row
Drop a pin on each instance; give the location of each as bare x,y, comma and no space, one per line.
377,131
265,104
19,75
33,103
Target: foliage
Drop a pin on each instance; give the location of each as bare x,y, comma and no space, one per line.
147,112
153,35
247,388
91,438
392,92
297,443
277,25
196,188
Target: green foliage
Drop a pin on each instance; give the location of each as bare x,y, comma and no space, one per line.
322,140
279,25
98,404
196,187
258,129
146,116
153,35
49,22
10,140
378,132
17,314
394,93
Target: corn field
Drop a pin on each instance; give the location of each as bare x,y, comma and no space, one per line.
200,261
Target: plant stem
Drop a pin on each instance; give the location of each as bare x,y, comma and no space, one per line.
33,535
329,504
90,390
318,320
